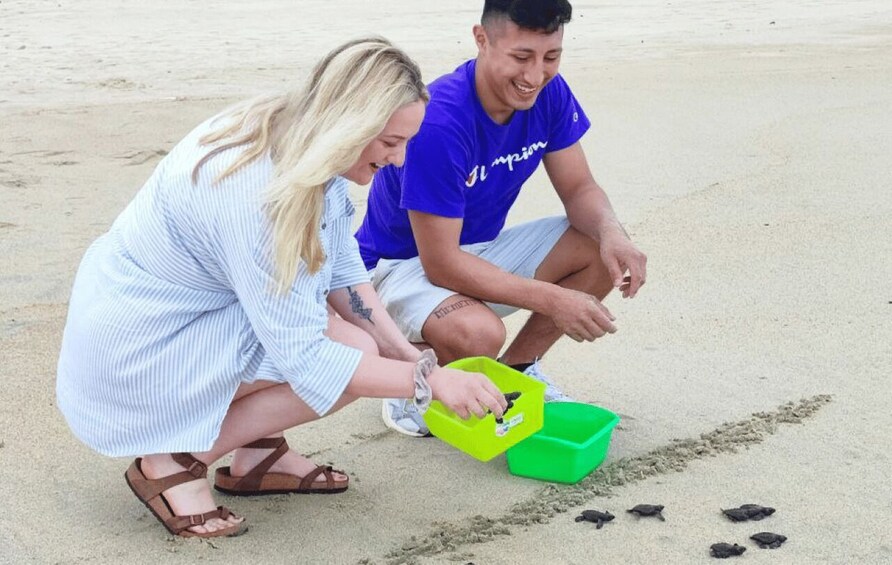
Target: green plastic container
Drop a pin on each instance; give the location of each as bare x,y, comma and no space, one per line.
484,438
571,444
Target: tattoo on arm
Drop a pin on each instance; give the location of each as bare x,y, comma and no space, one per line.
442,312
358,306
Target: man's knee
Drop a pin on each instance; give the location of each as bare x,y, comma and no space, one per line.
577,257
471,336
476,339
599,278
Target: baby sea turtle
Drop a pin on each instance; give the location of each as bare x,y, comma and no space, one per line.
725,550
648,510
748,512
757,512
596,517
510,397
768,540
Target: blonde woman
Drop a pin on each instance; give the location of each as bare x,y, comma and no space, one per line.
228,302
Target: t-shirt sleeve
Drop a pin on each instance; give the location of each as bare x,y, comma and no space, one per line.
435,170
568,122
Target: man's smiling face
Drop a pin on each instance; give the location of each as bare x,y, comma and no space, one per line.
513,65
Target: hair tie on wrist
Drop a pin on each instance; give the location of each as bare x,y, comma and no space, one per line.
423,393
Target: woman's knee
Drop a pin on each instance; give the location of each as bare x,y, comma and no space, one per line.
364,342
350,335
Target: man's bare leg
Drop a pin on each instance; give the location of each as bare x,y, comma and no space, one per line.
464,327
574,263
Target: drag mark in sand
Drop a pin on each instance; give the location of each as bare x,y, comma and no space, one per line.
141,157
553,499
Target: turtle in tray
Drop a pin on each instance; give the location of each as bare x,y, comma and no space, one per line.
595,516
648,510
510,397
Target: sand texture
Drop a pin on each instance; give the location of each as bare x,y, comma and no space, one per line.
745,145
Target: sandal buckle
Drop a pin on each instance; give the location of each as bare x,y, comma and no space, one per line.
196,520
197,469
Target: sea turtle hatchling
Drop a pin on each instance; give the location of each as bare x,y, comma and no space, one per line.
648,510
767,540
596,517
510,397
757,512
748,512
736,514
725,550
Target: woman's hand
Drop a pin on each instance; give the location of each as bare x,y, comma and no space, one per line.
466,393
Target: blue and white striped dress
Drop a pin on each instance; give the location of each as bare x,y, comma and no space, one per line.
174,308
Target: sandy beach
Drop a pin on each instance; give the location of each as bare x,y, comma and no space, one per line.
745,146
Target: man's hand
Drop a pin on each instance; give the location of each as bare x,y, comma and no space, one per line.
580,316
466,393
620,256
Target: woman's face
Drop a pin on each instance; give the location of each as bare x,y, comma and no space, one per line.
389,148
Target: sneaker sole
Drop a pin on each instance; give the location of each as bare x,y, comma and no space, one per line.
388,421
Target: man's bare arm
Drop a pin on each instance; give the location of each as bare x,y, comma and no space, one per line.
590,212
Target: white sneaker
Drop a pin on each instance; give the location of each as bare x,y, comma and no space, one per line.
400,414
552,392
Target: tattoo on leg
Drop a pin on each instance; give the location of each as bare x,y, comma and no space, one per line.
358,306
455,306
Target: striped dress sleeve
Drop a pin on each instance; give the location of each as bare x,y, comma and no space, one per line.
289,326
348,268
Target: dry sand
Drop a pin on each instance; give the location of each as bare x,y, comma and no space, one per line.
745,145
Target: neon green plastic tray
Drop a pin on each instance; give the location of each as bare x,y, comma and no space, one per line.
484,438
572,443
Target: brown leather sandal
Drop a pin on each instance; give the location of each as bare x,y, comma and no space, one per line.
148,491
259,482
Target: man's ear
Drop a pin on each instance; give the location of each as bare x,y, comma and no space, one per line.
480,37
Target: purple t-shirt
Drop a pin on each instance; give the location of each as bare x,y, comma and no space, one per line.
461,164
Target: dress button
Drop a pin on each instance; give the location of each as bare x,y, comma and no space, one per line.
325,292
324,225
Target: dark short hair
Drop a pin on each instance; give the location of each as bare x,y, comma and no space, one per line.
537,15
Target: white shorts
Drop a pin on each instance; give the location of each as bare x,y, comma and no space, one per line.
410,298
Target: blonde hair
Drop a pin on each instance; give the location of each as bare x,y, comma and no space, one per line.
314,134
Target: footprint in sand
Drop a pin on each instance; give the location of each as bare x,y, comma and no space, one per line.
39,152
119,83
13,183
142,157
